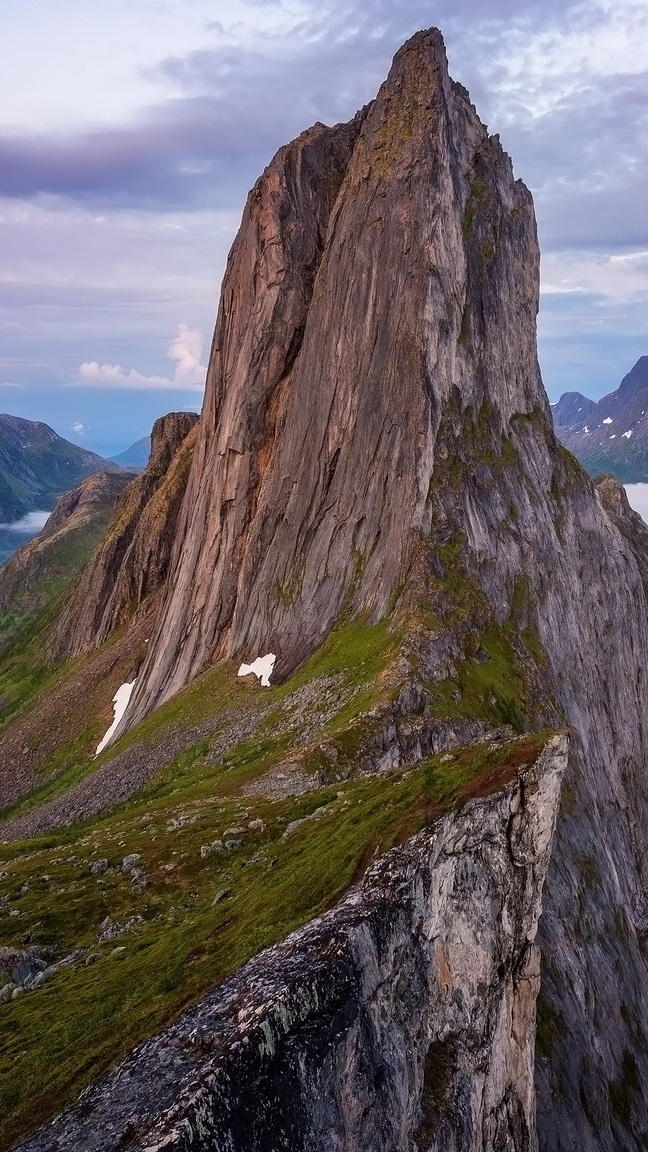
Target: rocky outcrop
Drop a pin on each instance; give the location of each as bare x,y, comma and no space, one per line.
380,266
132,559
403,1018
68,539
631,525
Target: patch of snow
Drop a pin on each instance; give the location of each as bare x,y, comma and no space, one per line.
120,701
608,420
613,436
262,667
586,429
579,409
628,433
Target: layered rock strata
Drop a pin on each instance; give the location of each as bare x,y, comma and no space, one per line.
133,558
403,1018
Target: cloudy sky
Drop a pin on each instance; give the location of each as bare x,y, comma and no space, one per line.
130,132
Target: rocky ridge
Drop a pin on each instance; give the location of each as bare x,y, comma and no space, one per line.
423,979
352,452
132,560
376,445
69,538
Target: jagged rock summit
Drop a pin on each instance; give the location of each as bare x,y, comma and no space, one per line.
376,448
375,422
384,270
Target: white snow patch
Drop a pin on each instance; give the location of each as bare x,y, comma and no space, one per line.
120,701
613,436
628,434
262,667
586,429
608,420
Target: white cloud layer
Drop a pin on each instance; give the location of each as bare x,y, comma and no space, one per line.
189,373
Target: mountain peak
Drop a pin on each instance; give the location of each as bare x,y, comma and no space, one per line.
385,272
610,435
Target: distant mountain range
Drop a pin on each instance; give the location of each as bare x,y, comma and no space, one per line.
136,456
37,466
611,435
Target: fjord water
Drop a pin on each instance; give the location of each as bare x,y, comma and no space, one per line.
13,536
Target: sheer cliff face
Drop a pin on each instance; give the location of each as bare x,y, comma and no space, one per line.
403,1018
133,558
374,406
379,265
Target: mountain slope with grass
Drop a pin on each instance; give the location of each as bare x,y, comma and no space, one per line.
449,763
37,466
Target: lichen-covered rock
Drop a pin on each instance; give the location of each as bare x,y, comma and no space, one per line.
401,1019
132,559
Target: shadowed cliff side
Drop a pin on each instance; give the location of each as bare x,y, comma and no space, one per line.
613,497
132,559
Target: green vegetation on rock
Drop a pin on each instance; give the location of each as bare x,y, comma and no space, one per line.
299,856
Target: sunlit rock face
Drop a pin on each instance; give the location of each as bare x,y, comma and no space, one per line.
381,266
374,406
133,559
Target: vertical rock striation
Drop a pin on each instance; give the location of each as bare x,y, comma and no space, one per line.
363,287
373,406
133,558
401,1019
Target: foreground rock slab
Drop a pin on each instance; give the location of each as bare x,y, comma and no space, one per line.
404,1014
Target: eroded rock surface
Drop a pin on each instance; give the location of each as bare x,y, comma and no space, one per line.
379,265
403,1018
132,559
